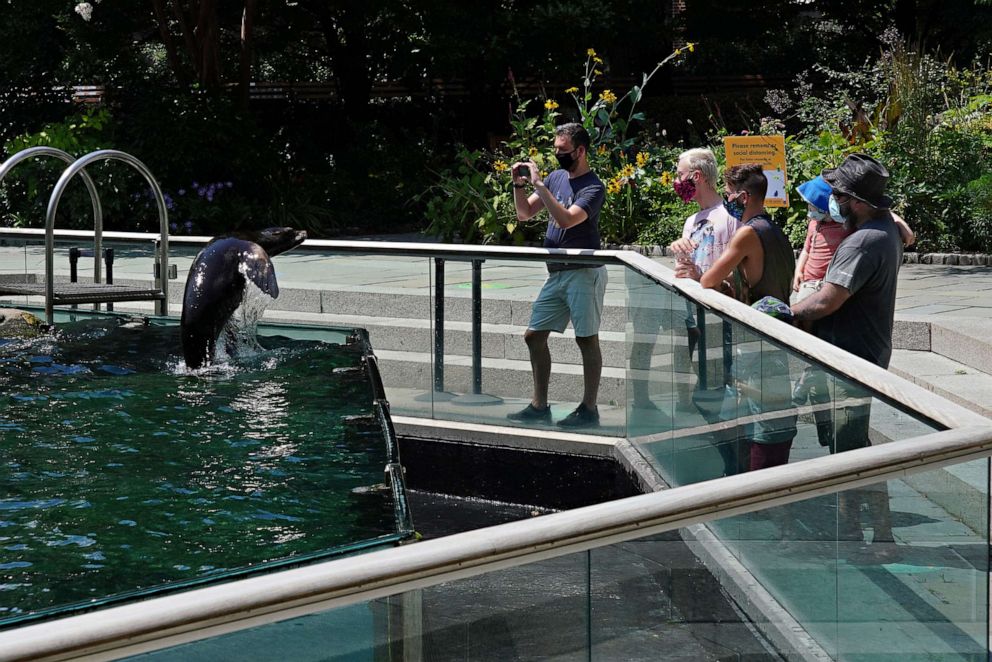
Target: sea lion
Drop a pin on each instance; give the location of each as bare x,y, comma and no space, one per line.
216,283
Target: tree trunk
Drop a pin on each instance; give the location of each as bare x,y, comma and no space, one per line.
171,52
207,36
247,24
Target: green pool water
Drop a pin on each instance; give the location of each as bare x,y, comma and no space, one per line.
122,473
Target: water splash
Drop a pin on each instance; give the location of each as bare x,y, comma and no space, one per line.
239,338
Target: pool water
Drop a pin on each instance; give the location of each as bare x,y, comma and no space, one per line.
123,472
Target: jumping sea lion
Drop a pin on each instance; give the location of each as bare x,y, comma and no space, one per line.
216,283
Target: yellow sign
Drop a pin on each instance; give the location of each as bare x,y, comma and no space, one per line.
769,153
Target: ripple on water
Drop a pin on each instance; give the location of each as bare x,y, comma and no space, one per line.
69,539
6,504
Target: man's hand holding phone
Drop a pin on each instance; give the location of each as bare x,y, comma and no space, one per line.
524,172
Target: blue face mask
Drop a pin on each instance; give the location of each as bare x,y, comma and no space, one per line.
818,215
835,210
734,208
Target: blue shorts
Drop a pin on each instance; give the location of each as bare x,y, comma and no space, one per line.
573,294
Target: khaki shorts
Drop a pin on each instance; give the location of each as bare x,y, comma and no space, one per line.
806,289
574,294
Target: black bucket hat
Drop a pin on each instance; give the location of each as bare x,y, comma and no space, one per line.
861,177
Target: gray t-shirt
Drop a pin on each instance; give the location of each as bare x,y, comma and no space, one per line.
866,264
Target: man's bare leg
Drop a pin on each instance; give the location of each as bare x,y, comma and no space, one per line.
540,365
592,369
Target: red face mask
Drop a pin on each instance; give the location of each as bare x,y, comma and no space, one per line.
685,188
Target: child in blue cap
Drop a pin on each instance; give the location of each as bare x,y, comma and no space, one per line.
823,236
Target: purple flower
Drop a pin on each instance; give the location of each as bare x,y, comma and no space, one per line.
201,191
173,227
195,185
181,191
189,226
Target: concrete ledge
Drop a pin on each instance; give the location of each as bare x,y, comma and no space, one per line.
909,333
967,342
506,437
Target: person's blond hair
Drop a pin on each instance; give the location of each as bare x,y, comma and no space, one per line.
704,161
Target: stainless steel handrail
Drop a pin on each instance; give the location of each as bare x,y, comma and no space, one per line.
207,612
32,152
162,306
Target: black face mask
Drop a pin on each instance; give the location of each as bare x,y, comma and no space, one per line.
565,160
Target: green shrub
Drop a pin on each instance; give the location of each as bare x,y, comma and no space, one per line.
472,201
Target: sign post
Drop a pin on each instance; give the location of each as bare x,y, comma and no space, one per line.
769,153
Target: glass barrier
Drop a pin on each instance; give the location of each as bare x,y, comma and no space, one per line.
687,385
710,398
841,587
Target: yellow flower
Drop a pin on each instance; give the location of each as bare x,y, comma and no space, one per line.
691,46
572,90
601,150
608,96
500,166
626,171
642,159
591,53
597,72
678,51
532,152
598,60
544,173
550,104
614,186
666,179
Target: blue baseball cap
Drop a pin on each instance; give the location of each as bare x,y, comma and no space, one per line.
816,192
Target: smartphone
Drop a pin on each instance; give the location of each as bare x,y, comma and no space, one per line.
523,171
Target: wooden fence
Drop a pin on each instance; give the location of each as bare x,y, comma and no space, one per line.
459,88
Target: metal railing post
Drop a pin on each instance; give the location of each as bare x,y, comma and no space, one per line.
438,324
477,326
477,397
108,257
701,366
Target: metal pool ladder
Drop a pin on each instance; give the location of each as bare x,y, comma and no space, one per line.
97,292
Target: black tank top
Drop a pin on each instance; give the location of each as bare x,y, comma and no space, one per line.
780,261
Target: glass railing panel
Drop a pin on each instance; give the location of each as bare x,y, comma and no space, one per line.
655,353
391,296
488,382
536,611
745,401
880,571
130,263
789,582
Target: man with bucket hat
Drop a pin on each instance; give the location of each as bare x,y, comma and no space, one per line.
855,307
854,310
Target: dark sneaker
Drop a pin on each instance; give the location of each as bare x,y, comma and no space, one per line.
532,413
581,417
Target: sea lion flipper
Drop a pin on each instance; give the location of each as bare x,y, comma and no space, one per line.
263,275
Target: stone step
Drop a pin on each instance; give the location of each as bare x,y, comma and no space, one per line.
958,382
961,489
504,341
